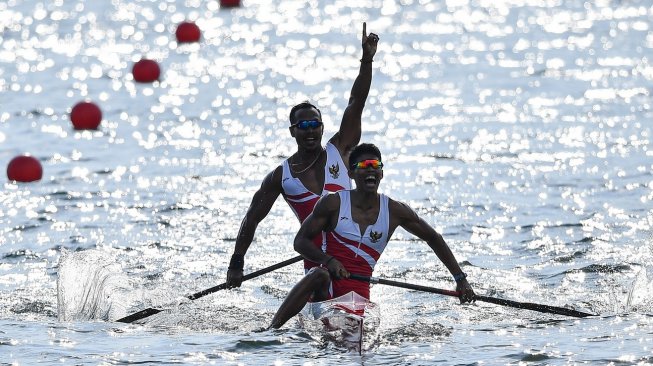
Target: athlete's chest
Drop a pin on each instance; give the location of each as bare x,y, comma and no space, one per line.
365,217
312,179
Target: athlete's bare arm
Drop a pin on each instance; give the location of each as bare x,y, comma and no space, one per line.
349,134
259,208
405,217
322,218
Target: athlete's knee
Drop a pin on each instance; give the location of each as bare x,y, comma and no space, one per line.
319,275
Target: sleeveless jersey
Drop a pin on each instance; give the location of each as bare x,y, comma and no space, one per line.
358,253
302,201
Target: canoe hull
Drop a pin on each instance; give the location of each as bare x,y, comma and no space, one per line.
350,321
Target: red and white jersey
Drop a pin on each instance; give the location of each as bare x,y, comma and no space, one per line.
358,253
299,198
302,201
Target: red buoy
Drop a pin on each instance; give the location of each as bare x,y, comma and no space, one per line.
229,3
146,71
24,169
86,116
188,32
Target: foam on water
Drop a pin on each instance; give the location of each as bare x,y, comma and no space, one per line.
91,286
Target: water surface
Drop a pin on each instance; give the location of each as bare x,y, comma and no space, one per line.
519,129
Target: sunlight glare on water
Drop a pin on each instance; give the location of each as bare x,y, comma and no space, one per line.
517,128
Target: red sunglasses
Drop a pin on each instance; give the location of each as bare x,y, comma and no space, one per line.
374,163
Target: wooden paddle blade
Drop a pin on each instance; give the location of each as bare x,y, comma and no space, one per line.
139,315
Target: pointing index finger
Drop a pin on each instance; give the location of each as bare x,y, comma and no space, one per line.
364,31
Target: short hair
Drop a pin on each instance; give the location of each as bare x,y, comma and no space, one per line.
362,149
303,105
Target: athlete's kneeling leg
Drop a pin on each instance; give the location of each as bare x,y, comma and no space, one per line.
314,286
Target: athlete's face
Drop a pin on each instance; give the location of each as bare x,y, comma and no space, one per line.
307,128
367,172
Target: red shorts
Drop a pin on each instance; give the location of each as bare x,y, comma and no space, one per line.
345,285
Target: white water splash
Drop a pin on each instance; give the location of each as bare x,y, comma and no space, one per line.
91,286
639,296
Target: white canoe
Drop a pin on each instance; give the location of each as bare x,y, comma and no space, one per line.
349,321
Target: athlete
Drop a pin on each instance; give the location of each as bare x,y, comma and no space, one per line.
313,170
358,224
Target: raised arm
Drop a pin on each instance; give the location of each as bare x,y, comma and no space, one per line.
258,209
404,216
349,134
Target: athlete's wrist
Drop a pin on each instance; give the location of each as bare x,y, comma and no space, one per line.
458,277
237,261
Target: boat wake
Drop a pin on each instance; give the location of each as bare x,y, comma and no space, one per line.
416,331
209,317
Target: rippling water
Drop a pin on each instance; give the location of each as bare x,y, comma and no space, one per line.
519,128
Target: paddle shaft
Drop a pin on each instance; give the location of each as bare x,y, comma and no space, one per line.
515,304
246,277
151,311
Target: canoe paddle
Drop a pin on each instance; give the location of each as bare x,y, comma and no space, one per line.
151,311
515,304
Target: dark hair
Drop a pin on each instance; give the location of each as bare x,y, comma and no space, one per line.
363,149
303,105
